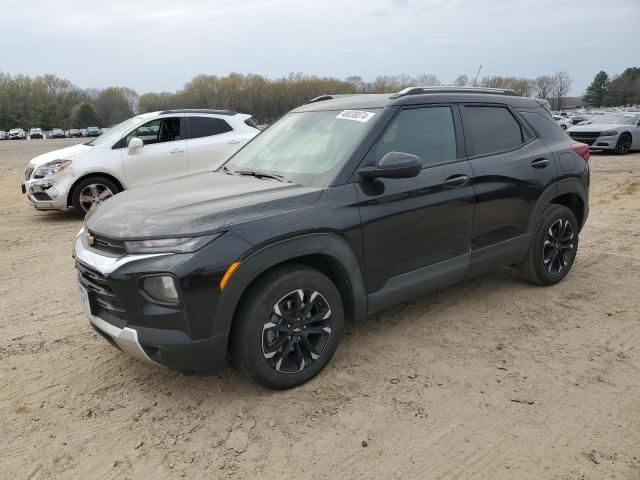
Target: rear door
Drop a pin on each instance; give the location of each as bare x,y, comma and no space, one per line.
211,140
163,155
511,169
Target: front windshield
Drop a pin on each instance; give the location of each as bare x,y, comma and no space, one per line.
305,147
115,133
617,118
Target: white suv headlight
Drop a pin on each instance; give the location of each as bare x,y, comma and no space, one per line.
51,168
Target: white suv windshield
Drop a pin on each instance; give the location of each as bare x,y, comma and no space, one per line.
115,133
307,147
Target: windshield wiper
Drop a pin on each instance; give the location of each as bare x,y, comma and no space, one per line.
258,174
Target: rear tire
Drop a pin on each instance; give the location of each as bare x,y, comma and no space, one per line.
553,247
288,326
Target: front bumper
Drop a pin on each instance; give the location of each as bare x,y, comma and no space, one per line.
607,142
48,193
181,337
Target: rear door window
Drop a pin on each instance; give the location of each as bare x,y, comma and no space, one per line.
491,129
207,126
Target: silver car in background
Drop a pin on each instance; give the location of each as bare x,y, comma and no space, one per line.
616,132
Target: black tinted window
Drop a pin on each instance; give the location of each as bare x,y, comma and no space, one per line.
426,132
207,126
492,129
544,126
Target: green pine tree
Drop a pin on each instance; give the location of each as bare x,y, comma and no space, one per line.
596,92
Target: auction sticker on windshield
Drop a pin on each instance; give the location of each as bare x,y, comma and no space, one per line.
356,115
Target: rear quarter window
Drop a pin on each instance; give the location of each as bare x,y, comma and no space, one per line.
545,128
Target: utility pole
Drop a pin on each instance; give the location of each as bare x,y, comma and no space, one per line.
478,73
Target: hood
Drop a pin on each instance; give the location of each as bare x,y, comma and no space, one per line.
194,205
62,153
596,127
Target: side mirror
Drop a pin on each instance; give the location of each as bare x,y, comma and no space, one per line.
394,165
134,144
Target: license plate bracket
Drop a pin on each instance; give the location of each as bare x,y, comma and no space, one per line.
84,299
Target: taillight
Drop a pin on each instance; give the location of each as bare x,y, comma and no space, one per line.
581,149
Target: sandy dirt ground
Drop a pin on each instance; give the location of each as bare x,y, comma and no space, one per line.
492,378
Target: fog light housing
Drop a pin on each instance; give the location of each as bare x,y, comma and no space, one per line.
161,288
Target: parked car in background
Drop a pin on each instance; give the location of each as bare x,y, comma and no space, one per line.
616,132
36,133
142,150
3,135
83,132
72,133
342,208
57,133
563,122
93,132
17,134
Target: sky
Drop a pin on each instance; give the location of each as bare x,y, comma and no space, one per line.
151,45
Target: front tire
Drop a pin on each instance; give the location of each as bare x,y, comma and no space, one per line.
553,247
288,326
92,191
623,145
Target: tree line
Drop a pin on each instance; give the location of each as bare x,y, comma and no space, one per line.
623,89
48,101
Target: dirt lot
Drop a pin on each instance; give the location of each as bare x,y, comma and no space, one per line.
489,379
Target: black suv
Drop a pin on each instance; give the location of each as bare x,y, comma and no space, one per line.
343,207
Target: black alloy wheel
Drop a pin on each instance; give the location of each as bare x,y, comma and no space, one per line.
623,145
557,250
297,331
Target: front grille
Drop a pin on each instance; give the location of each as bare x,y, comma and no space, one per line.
108,245
103,301
585,137
28,171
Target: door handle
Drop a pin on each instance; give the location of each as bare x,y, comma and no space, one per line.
540,163
176,150
233,142
456,181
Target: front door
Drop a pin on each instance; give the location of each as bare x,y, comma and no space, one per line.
163,156
417,231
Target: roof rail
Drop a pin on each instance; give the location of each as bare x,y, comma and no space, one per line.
320,98
452,89
332,96
199,110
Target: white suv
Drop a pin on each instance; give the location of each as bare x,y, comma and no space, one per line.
145,149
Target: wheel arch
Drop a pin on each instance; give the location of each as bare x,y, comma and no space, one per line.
328,253
571,193
108,176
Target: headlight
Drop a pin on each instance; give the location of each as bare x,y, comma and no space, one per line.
609,133
51,168
170,245
161,287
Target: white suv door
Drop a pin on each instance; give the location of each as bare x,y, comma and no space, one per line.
163,156
211,140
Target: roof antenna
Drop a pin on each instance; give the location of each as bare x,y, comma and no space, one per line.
474,80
